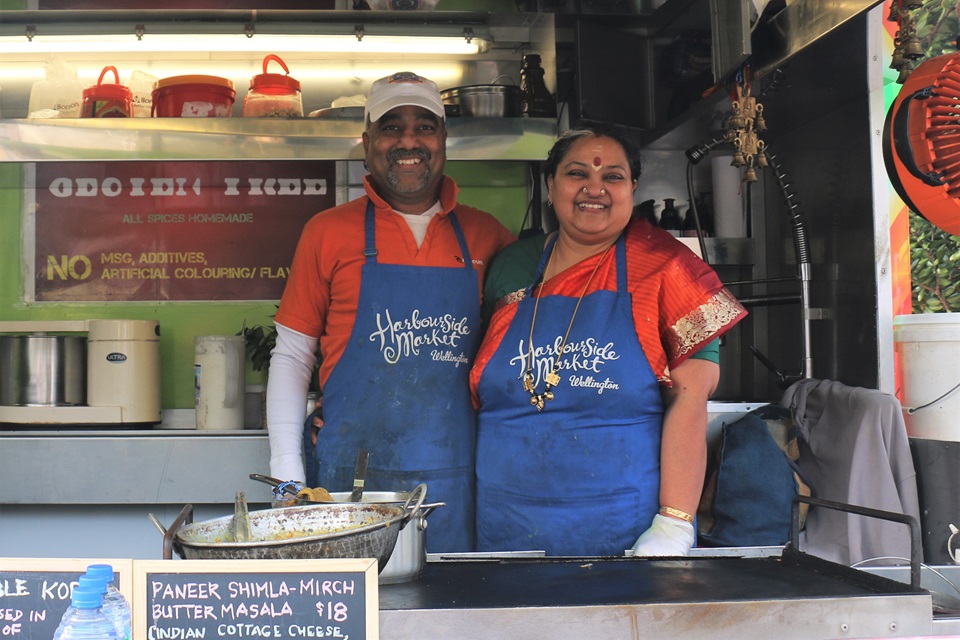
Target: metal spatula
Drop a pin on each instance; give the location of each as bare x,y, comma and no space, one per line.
359,475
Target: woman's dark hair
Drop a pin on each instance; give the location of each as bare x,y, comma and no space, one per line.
567,138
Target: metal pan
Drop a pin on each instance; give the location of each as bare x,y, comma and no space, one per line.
337,530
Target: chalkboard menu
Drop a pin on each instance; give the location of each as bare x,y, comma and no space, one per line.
256,599
34,592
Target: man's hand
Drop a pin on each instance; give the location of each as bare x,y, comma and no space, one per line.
316,421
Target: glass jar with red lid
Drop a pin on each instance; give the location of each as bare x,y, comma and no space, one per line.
273,95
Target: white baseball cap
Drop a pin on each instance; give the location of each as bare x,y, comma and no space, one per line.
402,89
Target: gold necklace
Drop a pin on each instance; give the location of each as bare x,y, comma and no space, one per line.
552,378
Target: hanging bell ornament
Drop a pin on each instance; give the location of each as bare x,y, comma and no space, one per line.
759,123
912,49
896,60
761,155
750,175
738,159
904,73
894,13
735,120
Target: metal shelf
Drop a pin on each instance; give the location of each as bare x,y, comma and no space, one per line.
518,139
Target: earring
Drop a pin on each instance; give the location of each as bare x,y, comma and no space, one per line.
549,202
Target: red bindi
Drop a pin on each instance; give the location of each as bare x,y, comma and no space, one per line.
596,161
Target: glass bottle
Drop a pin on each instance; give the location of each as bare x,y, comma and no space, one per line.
689,227
535,99
646,211
670,217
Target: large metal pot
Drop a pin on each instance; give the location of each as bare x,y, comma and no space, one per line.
485,100
331,530
409,555
43,370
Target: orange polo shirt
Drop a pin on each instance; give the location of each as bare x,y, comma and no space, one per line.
323,289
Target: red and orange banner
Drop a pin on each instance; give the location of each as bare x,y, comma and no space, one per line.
151,231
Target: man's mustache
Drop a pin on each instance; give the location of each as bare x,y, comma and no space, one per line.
400,154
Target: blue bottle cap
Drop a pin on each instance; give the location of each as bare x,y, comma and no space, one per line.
88,581
104,571
86,598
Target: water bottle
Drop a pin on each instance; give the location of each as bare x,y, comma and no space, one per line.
85,619
115,606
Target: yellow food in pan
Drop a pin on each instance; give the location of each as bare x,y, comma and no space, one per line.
317,494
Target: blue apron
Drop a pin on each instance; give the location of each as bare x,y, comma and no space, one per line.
400,390
581,477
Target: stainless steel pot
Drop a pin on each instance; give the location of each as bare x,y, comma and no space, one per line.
485,100
43,370
332,530
409,555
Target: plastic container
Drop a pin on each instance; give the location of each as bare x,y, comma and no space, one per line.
115,606
273,95
107,100
84,619
193,96
928,345
218,381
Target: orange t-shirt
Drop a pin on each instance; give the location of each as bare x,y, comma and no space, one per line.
323,290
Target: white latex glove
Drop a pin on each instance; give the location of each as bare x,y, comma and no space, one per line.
665,537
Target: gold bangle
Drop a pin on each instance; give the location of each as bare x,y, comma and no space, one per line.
676,513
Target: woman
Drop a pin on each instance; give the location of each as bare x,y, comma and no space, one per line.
592,402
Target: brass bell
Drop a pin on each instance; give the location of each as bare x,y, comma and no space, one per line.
762,159
904,73
896,60
759,123
738,159
892,16
912,49
750,175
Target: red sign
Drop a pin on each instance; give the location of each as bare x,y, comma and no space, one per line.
120,231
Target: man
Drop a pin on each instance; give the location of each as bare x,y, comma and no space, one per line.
389,284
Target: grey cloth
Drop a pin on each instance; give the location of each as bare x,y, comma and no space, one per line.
855,450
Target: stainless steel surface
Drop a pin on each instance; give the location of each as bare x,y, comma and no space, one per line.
43,370
943,582
692,598
146,467
730,26
798,26
484,100
337,530
262,138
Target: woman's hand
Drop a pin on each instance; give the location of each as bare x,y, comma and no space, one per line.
665,537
